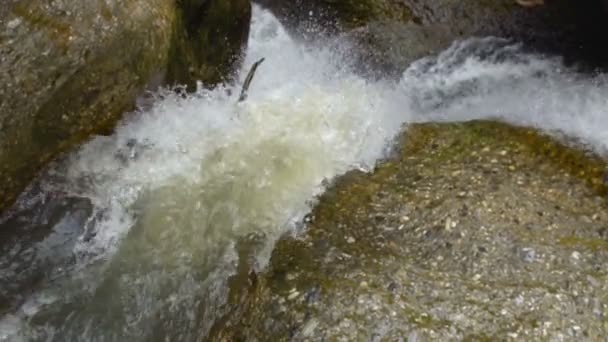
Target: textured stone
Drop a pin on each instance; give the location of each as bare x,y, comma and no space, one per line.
520,255
69,69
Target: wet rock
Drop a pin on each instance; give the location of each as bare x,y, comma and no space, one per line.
333,16
69,69
386,48
37,242
207,45
484,277
388,35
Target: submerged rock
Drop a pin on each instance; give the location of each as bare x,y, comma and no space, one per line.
475,230
69,69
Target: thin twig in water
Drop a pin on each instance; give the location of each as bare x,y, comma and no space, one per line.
248,80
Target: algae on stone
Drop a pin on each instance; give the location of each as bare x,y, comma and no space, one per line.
474,231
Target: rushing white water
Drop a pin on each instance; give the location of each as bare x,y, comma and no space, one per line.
492,79
180,185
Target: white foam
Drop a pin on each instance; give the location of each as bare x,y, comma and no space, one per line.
491,78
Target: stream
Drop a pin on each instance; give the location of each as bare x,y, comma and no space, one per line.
135,236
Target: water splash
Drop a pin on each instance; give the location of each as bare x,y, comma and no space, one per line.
179,185
492,78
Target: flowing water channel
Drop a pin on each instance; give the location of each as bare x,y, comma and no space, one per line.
135,235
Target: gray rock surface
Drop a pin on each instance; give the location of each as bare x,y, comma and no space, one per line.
69,69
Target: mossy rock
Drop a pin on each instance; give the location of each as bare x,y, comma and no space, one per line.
473,231
70,69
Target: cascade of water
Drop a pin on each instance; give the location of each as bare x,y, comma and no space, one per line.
179,184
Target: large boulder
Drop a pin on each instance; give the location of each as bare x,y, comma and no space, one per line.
69,69
474,231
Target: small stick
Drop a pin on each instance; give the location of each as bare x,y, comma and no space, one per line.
248,80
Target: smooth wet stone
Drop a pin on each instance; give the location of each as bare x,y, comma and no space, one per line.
516,258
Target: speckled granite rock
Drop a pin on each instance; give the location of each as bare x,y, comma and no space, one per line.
475,231
69,69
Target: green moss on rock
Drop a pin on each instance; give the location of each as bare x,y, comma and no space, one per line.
474,231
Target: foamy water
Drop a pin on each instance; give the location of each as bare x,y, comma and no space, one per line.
492,79
179,186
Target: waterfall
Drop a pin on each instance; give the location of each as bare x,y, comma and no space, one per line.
184,182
